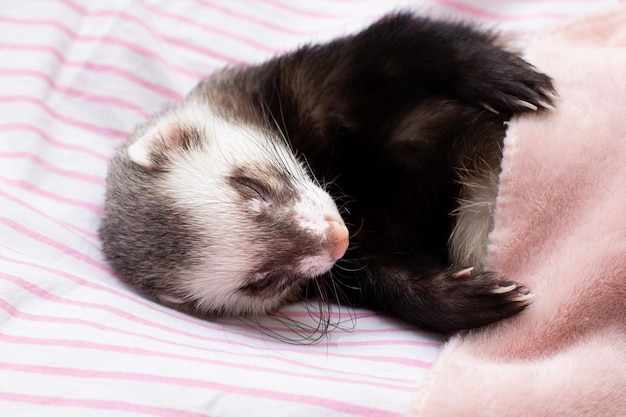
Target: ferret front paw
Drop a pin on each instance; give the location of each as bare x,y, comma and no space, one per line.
459,298
471,299
509,84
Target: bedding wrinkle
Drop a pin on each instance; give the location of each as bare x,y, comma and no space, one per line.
24,205
52,168
114,71
194,360
275,345
249,18
53,196
57,144
209,28
81,404
87,126
319,13
69,91
128,22
52,243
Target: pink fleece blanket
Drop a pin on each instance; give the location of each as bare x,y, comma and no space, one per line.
561,229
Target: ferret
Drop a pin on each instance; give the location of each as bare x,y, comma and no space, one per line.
365,167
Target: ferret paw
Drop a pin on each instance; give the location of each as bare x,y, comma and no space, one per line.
461,298
471,299
511,85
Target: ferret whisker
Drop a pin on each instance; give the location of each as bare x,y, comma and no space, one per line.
295,332
338,296
338,265
302,157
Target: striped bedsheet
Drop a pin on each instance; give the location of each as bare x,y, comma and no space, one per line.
75,78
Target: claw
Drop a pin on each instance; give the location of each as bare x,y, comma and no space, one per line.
464,273
491,109
549,94
546,105
503,290
526,104
526,298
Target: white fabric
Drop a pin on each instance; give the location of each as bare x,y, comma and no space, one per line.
75,78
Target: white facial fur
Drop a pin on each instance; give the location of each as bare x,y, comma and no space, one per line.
235,238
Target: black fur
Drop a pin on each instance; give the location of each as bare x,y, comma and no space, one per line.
387,118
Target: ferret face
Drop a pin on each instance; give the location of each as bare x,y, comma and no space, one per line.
250,223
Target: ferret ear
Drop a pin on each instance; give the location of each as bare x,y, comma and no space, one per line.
155,144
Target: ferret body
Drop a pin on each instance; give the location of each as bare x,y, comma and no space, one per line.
365,167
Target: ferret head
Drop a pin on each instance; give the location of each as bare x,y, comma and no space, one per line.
215,216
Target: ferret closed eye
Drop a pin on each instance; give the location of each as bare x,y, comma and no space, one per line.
369,163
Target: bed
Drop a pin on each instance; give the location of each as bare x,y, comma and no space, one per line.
75,78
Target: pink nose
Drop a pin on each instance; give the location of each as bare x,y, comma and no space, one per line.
338,236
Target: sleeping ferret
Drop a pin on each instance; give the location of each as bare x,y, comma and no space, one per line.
365,168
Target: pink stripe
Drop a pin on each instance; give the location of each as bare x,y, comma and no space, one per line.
128,75
237,14
134,299
195,75
236,389
99,39
47,401
54,244
14,312
52,196
52,168
37,22
141,23
484,13
106,131
61,223
83,95
204,51
113,310
302,12
209,28
11,127
116,14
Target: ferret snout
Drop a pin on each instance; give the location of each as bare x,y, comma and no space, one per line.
337,235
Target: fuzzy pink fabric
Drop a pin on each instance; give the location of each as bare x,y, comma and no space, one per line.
560,229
